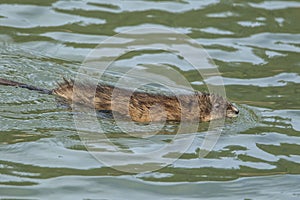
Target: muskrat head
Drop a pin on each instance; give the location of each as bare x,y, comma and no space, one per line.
220,108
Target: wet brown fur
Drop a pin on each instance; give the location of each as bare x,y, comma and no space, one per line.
140,106
147,107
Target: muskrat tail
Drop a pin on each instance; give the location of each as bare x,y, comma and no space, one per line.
23,85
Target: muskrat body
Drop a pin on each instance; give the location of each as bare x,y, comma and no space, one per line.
141,106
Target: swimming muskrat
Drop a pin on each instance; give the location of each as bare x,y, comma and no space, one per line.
143,107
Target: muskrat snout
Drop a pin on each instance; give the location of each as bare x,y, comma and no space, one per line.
232,111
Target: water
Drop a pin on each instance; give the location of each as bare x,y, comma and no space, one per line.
255,45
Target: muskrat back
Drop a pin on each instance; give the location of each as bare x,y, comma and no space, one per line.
141,106
147,107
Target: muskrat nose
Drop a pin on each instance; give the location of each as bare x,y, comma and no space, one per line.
235,110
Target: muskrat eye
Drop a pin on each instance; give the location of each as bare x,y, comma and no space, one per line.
217,105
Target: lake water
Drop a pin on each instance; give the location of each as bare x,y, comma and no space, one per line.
255,46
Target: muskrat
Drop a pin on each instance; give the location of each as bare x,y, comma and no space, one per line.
141,106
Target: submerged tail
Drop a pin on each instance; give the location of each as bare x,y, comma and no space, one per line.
23,85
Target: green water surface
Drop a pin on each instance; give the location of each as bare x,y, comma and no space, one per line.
255,46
